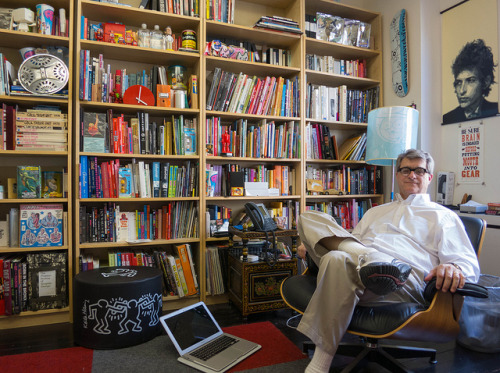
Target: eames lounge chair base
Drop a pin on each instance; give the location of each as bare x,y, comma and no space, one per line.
383,355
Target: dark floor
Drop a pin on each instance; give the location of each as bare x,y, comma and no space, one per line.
451,357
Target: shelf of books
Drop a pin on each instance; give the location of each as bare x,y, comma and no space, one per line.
252,121
35,162
343,74
138,149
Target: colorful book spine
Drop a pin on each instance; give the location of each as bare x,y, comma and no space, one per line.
84,177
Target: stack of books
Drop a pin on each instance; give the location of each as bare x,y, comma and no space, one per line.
493,208
276,23
38,129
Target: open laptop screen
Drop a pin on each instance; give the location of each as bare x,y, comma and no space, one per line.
191,326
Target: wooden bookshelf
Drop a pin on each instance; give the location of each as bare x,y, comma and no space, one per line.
133,58
10,43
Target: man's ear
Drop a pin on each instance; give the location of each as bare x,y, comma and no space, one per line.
487,81
430,177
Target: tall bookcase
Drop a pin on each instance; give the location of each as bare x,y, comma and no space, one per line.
133,58
372,57
10,43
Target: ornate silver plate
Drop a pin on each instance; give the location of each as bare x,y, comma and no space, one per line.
43,74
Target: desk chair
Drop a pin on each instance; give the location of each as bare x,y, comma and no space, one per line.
406,321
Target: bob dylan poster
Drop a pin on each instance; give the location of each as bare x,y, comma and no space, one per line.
470,45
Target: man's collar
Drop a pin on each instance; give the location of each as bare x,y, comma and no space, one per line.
414,199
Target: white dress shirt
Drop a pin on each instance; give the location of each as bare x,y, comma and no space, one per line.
428,234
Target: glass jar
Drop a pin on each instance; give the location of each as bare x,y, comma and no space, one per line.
144,36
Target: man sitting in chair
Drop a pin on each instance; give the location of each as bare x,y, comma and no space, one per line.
393,250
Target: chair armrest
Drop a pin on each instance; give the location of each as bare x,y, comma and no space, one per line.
469,289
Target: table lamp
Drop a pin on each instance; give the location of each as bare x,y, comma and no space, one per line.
391,131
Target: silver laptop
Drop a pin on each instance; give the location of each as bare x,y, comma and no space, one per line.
201,342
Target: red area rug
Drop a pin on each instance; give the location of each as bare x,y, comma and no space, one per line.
75,359
276,349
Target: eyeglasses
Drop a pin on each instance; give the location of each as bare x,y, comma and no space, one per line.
406,171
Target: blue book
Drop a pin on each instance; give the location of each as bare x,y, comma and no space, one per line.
156,179
82,30
283,99
84,177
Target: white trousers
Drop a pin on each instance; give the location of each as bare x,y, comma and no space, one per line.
339,288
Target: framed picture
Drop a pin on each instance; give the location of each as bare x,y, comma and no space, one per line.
47,283
469,61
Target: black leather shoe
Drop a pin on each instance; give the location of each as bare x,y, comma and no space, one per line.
383,278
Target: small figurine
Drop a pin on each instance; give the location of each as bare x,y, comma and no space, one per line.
225,144
23,19
168,39
121,40
129,37
116,94
99,34
112,37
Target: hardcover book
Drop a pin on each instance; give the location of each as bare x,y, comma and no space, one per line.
94,131
41,225
29,180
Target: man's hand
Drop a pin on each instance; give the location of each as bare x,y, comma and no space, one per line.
448,277
301,251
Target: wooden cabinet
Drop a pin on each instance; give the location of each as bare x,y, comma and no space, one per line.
11,41
255,286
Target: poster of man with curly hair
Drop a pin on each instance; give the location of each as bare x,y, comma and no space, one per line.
470,61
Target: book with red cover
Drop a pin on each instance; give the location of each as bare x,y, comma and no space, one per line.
7,287
10,126
2,286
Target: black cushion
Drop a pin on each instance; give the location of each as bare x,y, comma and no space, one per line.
382,318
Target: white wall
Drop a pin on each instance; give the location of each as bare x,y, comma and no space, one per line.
424,65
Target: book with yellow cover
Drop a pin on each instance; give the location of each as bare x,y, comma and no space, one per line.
348,145
182,250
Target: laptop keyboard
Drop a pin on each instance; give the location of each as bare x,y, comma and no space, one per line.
213,348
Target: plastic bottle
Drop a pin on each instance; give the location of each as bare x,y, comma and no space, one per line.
144,36
157,38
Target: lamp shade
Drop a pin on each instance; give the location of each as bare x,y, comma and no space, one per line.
391,131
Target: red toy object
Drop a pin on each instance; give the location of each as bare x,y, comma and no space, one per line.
116,94
99,35
225,144
111,29
139,95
